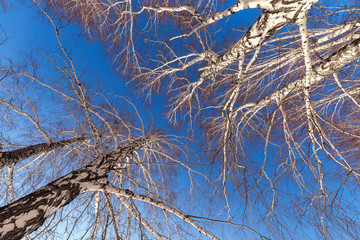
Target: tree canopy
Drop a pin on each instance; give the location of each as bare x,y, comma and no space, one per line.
261,100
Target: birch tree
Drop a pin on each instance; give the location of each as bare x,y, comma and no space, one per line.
77,162
286,88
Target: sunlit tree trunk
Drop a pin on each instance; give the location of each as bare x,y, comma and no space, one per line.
30,212
277,103
27,214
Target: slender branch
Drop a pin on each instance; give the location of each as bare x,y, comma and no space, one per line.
30,212
329,66
125,192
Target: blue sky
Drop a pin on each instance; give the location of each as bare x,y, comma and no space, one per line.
25,29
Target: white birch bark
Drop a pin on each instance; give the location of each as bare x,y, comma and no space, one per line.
28,213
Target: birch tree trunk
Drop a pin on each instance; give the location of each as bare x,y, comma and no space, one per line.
12,157
27,214
276,103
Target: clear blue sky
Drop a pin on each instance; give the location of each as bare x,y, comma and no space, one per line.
24,28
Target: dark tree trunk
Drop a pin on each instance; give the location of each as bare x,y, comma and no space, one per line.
12,157
30,212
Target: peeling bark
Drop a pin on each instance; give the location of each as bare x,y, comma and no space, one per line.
336,61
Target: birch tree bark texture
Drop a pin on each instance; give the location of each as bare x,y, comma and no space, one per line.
289,81
30,212
276,104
